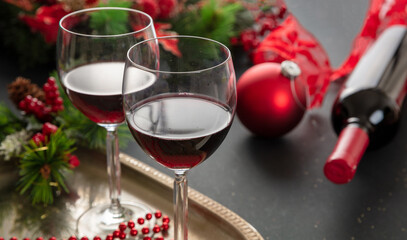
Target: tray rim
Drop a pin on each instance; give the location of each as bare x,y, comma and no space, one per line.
240,225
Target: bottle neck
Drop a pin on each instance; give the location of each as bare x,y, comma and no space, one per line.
342,163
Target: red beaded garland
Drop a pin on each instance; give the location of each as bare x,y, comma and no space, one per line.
140,221
158,214
122,226
166,219
156,229
133,232
122,235
145,230
131,224
116,233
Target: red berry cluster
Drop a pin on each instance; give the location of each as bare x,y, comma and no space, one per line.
42,111
42,137
264,23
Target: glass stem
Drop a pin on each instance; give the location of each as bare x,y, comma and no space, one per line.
180,205
113,169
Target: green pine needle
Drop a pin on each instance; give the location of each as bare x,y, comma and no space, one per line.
51,156
9,122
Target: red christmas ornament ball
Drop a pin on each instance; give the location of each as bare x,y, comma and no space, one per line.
266,103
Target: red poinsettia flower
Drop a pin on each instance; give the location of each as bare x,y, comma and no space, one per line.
171,44
46,21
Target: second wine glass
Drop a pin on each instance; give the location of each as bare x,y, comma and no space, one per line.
179,95
91,51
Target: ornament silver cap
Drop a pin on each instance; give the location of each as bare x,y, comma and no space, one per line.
290,69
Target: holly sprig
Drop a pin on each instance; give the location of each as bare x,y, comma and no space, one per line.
42,167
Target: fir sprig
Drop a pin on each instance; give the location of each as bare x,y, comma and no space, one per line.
42,167
212,21
9,122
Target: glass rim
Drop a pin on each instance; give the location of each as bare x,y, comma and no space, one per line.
227,59
105,8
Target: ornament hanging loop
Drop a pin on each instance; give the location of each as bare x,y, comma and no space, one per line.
291,70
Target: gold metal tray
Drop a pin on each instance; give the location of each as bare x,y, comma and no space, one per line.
88,183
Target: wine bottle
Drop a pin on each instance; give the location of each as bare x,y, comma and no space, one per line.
366,112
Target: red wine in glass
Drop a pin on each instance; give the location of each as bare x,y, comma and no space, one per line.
179,131
96,90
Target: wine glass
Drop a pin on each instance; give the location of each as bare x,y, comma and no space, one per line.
179,96
91,52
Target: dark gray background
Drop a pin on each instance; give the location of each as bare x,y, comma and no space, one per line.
278,185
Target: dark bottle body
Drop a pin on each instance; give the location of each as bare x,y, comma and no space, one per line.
370,100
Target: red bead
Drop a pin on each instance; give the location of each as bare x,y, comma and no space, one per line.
156,229
165,226
122,235
23,239
84,238
147,238
116,233
13,238
149,216
133,232
140,221
109,237
122,227
158,214
52,238
70,238
97,238
166,219
130,224
159,238
145,230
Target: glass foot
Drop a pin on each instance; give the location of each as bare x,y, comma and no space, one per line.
103,220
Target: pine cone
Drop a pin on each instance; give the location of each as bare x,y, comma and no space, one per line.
22,87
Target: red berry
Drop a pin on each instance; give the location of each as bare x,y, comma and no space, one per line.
122,227
145,230
28,98
140,221
50,94
38,138
97,238
122,235
51,81
166,219
156,229
109,237
133,232
47,87
130,224
49,128
149,216
84,238
116,233
22,105
58,101
158,214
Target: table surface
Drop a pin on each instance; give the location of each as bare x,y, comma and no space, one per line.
278,185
